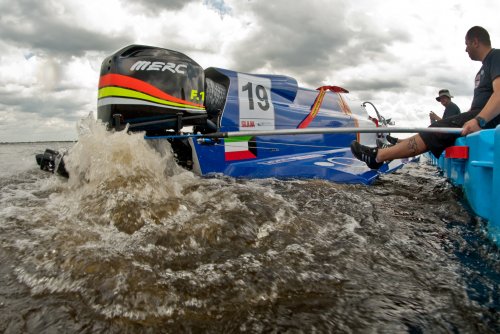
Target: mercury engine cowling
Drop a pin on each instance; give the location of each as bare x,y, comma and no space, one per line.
153,89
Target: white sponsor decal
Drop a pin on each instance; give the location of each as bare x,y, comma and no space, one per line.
144,65
255,103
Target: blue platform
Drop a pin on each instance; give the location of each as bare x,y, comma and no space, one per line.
478,175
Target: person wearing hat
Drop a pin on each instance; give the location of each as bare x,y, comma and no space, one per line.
484,112
451,109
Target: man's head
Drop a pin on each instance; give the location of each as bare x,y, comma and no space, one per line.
444,97
478,43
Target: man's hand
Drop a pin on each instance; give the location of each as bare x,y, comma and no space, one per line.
434,117
489,111
470,127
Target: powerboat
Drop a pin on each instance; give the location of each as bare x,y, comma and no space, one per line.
221,121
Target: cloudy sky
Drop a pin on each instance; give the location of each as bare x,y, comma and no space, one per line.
394,53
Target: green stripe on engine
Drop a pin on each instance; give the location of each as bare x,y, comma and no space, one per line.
123,92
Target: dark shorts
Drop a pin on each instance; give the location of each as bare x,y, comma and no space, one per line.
437,142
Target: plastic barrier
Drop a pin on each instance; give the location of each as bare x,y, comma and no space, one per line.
474,165
478,178
457,157
494,222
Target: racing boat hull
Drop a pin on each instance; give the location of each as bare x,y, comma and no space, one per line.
163,92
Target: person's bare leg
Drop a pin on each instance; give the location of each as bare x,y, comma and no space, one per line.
405,148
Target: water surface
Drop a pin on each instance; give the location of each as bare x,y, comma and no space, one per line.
133,243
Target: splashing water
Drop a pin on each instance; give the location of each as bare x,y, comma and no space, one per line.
138,237
132,242
119,179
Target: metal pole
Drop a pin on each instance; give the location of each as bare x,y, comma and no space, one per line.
455,131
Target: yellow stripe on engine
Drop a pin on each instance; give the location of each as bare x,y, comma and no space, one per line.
129,93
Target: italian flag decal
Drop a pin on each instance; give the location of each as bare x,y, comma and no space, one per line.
239,148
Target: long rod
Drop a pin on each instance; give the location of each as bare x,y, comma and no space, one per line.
305,131
328,130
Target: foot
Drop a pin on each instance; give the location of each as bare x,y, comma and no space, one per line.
392,140
382,144
366,154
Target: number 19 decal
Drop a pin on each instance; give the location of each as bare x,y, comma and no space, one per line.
260,92
255,105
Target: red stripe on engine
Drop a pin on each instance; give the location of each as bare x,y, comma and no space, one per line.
124,81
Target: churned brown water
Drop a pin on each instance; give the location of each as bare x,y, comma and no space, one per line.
131,243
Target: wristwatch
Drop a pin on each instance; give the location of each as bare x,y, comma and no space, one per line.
480,121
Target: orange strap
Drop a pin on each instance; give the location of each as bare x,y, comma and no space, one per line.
319,100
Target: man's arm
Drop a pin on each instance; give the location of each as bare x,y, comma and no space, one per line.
490,110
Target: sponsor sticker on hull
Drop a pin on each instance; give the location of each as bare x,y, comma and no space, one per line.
255,104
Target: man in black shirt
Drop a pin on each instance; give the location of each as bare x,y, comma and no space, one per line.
484,112
451,109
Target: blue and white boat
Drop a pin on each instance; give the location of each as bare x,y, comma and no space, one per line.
162,92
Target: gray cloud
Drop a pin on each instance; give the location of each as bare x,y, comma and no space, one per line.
36,25
351,44
47,105
376,84
42,29
310,39
153,7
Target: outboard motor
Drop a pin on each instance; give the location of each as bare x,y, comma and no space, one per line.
52,161
153,89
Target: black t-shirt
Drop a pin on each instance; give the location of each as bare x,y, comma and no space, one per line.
451,110
484,79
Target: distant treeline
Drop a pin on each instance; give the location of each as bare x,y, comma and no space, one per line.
38,142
